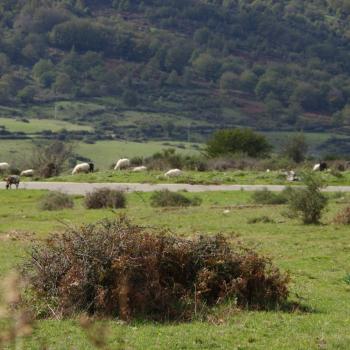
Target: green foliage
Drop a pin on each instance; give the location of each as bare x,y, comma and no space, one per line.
268,197
105,198
130,98
56,201
175,55
347,279
296,148
260,219
207,66
167,198
27,94
231,141
83,35
309,202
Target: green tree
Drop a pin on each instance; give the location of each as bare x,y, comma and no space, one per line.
248,81
228,81
296,148
231,141
130,98
26,95
207,66
176,58
41,67
308,202
201,36
5,94
63,84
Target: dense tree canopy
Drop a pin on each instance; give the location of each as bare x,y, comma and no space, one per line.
232,141
275,62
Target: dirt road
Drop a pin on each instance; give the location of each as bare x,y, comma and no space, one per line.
83,188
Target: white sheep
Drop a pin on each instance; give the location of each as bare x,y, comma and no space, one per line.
4,166
81,168
139,168
173,173
122,164
29,172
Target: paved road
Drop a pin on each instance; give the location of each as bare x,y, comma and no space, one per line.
82,188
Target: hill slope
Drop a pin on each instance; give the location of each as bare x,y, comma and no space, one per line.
159,68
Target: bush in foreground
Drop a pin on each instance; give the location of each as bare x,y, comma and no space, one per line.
166,198
56,201
105,198
116,269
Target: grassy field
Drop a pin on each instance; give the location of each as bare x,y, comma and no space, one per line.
38,125
237,177
317,258
103,153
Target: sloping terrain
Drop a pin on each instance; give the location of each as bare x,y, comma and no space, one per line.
169,68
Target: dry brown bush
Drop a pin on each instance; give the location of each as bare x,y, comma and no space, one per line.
49,158
166,198
105,198
116,269
343,217
56,201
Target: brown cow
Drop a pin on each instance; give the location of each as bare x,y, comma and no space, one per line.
12,180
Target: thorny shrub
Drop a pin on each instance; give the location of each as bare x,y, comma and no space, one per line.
56,201
343,217
116,269
266,196
105,198
166,198
260,219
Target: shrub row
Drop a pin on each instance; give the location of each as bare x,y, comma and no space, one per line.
107,198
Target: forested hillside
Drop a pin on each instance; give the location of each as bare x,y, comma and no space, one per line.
158,67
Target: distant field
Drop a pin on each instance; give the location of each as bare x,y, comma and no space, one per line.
38,125
313,139
103,153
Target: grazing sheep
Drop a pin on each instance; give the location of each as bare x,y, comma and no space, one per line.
12,180
82,168
29,172
316,167
139,169
4,167
173,173
122,164
291,176
320,166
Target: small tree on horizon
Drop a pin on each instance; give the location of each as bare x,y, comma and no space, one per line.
49,158
233,141
296,148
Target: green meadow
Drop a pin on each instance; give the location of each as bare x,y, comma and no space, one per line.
316,256
37,125
234,177
102,153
